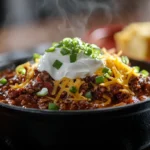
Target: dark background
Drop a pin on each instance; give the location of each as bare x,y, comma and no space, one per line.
22,11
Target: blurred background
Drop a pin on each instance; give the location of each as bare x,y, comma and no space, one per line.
32,25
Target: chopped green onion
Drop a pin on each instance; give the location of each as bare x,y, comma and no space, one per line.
3,81
77,41
88,52
95,53
51,49
88,95
52,106
56,45
125,60
73,58
86,45
57,64
67,41
36,56
136,69
73,89
106,70
64,51
144,73
99,79
75,51
106,75
94,46
43,92
21,70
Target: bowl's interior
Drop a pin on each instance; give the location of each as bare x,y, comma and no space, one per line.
13,63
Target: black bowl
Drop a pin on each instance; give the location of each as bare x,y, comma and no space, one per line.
120,128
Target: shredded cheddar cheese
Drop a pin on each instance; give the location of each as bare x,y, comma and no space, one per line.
29,75
65,84
121,72
108,100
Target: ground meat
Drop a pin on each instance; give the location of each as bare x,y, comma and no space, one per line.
44,76
99,92
63,95
43,79
43,103
26,96
121,96
140,86
14,80
34,87
13,93
84,88
89,79
75,105
114,88
146,86
135,84
65,105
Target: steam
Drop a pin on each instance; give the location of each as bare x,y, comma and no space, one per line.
67,18
78,25
76,15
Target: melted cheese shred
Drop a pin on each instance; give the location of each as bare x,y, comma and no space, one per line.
121,72
29,74
65,84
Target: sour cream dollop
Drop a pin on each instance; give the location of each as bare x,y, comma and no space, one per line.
83,66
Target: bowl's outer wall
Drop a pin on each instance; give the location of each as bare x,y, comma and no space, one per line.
123,129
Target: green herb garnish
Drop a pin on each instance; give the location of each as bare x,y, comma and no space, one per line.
74,46
136,69
21,70
88,95
73,58
106,70
99,79
43,92
57,64
52,106
106,75
3,81
56,45
77,41
144,73
64,51
36,56
67,42
88,52
125,60
73,89
95,53
51,49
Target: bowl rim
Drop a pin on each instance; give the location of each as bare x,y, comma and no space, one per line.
72,112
